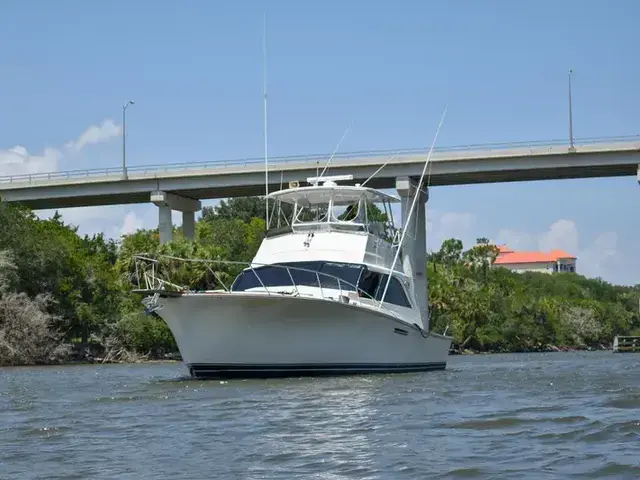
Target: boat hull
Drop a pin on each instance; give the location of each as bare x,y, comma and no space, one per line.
245,335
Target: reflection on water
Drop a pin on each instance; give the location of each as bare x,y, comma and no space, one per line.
501,416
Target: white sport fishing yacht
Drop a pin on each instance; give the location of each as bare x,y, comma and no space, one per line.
325,294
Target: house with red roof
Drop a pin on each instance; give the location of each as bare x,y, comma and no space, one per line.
547,262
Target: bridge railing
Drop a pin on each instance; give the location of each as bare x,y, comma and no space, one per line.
533,147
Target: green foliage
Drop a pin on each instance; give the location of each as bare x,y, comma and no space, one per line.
27,335
240,208
57,287
144,334
51,258
492,308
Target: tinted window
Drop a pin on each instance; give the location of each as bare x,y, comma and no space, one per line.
371,283
272,276
344,271
269,276
395,293
304,277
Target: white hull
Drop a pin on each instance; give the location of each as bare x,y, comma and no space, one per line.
256,335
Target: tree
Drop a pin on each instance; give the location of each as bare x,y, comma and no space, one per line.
239,208
500,310
58,288
450,253
481,256
26,336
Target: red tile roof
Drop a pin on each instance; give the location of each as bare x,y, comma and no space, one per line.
510,256
562,254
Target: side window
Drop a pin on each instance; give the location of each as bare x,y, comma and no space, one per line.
369,283
395,292
245,281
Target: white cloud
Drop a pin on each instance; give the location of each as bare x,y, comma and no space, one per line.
516,240
442,226
18,161
131,223
598,258
601,257
457,224
96,134
112,221
563,235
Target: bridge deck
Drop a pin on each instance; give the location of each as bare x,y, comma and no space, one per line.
458,165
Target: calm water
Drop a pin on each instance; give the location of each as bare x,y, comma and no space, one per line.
502,416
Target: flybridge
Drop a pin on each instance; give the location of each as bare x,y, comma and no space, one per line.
327,206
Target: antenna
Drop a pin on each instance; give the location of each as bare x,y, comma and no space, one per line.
411,210
378,170
264,90
336,149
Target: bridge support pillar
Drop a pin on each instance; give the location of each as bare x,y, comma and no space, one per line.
165,226
415,243
189,225
639,173
166,202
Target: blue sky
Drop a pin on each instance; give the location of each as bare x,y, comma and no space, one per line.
194,70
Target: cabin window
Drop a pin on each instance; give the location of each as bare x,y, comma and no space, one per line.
395,292
374,283
269,277
348,273
276,276
370,282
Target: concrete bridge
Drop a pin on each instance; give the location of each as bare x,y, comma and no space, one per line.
181,186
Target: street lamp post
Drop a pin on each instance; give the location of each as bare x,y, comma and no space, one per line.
124,138
572,148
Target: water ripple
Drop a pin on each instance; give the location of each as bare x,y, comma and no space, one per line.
498,416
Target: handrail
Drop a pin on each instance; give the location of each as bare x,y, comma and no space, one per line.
250,265
155,169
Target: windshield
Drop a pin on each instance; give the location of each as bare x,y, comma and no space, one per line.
369,283
278,276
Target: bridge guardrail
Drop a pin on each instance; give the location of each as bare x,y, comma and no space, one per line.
534,147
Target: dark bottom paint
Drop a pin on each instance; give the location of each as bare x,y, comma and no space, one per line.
219,371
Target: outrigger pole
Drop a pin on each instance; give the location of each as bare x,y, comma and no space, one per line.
411,210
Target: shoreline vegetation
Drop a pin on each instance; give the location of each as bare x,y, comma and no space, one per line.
66,298
134,358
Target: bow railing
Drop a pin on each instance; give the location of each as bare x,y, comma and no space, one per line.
149,273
